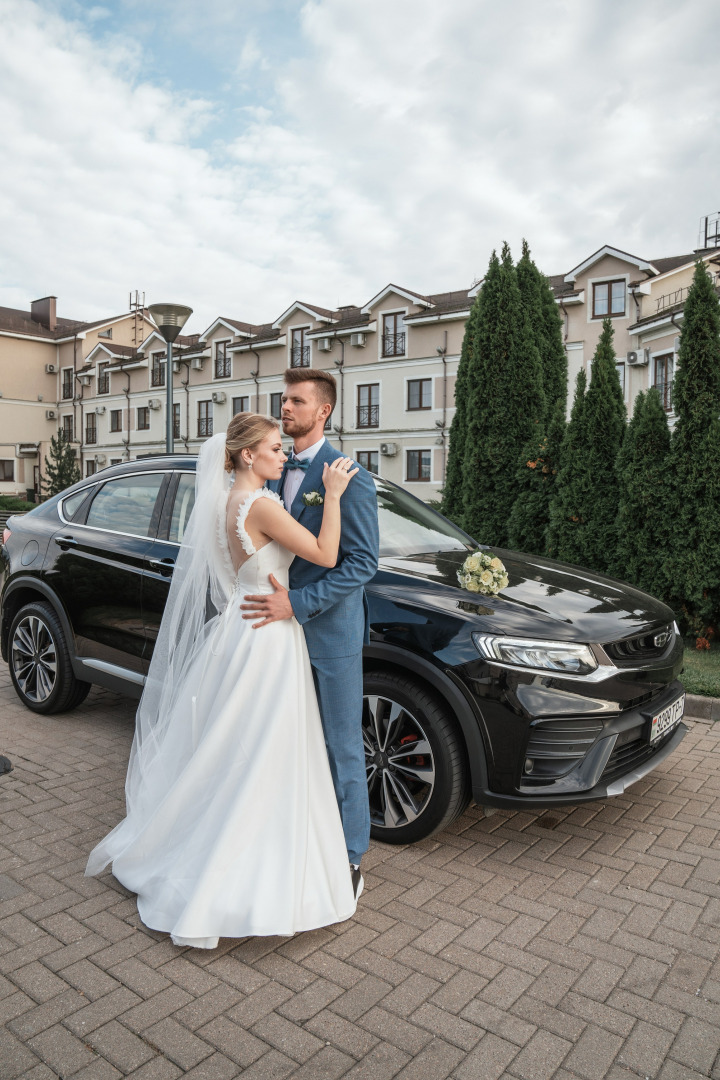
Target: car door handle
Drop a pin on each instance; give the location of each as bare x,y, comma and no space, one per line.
164,566
66,541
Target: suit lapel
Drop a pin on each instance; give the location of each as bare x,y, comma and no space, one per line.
312,479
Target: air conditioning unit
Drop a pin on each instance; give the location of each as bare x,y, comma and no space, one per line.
27,449
219,397
388,449
50,414
100,459
84,380
676,344
154,403
358,340
638,358
198,363
50,369
176,366
100,410
324,344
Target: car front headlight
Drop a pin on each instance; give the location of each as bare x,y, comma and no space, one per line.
568,659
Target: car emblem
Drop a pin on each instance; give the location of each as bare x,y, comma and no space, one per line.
661,639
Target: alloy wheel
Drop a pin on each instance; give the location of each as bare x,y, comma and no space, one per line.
399,763
34,659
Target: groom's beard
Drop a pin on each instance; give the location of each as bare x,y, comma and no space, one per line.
295,429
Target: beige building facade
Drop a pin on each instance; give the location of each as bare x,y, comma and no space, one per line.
395,359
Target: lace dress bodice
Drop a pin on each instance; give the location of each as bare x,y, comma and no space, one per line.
253,574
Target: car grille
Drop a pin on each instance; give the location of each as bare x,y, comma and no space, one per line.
637,650
563,738
628,757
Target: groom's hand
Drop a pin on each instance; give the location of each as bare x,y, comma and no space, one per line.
269,607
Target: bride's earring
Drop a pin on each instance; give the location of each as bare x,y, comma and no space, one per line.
250,466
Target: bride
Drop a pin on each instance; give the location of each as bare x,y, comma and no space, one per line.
232,826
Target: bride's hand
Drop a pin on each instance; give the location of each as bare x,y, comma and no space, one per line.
338,475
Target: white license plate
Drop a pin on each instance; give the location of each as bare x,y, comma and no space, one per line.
667,719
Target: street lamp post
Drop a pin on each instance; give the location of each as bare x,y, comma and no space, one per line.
169,319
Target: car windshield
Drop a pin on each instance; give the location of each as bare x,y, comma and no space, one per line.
409,527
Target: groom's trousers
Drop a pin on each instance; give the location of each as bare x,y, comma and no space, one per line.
339,686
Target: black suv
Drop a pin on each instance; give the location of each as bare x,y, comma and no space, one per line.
559,690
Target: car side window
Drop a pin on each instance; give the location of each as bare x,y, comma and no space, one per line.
72,504
126,505
182,507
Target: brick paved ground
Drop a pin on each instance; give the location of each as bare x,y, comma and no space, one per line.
575,944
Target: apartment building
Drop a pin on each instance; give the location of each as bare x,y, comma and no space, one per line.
44,380
395,360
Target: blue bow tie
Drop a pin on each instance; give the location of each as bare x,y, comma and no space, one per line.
297,463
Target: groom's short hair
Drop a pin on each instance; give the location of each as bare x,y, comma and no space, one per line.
325,385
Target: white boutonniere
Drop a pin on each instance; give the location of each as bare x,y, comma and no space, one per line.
313,498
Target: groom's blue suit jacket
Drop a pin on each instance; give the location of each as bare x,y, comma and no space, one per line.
330,603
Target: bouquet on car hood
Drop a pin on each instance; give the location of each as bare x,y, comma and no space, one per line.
483,573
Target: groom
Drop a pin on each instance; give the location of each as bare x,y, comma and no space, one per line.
329,603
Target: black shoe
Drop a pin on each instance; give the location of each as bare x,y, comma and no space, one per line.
5,765
358,881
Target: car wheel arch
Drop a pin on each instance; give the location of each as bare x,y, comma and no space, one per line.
23,591
381,658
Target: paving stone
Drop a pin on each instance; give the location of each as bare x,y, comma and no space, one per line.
61,1050
120,1046
488,1061
346,1036
310,1001
697,1045
16,1059
646,1048
353,1003
37,982
177,1043
201,1010
382,1063
288,1038
34,1020
328,1064
393,1029
271,1066
141,1016
541,1058
236,1043
593,1053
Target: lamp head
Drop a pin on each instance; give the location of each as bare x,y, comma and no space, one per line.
169,318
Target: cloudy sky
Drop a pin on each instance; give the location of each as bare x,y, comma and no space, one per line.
236,155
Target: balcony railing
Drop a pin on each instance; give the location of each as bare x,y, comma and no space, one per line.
393,344
368,416
90,435
300,356
223,367
205,427
665,391
67,389
103,384
157,377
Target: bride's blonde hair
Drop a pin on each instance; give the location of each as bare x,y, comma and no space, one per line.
244,432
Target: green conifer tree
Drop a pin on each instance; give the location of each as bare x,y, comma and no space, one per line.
692,566
61,467
546,325
573,485
604,421
505,403
452,494
537,472
643,476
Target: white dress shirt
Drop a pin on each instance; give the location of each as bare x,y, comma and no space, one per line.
295,477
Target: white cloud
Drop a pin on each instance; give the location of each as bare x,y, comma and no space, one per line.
401,143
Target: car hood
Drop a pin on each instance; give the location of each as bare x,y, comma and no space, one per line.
544,599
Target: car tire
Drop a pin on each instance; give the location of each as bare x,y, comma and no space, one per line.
412,795
39,661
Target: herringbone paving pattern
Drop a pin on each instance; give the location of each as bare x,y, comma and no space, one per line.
581,943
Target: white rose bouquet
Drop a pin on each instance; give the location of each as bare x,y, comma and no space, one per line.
483,573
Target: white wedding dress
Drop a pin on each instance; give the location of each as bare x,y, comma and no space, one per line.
237,831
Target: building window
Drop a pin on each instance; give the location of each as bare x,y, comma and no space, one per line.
90,428
419,394
620,368
205,420
143,418
105,333
223,360
67,427
240,404
275,406
393,341
299,351
664,379
90,467
176,420
116,461
368,406
157,374
67,383
418,465
368,459
608,299
7,470
116,419
103,378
